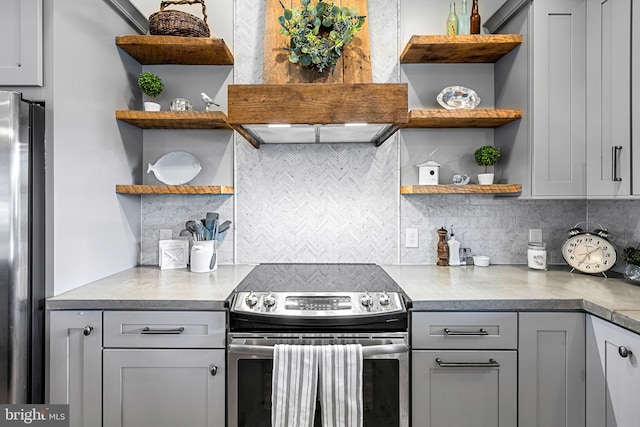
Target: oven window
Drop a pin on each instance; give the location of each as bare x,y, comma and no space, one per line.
381,394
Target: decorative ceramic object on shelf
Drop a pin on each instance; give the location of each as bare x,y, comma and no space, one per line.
458,98
486,156
460,179
632,273
429,171
181,104
176,168
208,102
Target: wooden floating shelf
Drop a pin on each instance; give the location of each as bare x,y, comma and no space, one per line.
174,189
462,189
152,50
174,119
476,118
476,48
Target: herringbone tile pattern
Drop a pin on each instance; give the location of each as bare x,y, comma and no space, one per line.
317,203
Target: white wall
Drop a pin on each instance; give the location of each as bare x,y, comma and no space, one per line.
95,232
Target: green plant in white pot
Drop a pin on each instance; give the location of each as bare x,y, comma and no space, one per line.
486,156
151,85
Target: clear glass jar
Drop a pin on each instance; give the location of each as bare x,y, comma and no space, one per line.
537,256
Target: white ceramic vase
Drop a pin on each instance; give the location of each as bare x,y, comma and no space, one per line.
485,178
151,106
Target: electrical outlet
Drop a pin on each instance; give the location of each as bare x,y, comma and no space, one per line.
166,234
535,235
411,238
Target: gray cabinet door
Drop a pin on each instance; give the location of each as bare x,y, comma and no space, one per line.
472,395
75,365
558,97
551,364
21,49
635,111
613,381
167,387
608,98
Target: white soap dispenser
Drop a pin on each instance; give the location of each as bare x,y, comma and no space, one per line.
454,249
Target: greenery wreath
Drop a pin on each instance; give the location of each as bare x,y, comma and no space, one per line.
319,32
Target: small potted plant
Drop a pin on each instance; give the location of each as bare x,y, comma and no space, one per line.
151,85
632,271
486,156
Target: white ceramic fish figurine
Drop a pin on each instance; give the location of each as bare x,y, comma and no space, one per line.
208,102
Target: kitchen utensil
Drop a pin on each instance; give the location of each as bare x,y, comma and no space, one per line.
214,260
186,232
224,226
192,227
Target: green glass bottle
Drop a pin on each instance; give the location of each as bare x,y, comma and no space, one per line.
452,20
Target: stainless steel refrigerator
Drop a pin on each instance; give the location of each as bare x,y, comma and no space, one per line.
22,249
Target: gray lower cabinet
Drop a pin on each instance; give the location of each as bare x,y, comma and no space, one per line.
164,369
75,365
613,375
551,371
163,387
464,369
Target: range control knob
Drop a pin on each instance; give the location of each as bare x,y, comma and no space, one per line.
269,300
251,300
384,299
366,300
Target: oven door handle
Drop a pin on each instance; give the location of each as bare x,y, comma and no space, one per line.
367,351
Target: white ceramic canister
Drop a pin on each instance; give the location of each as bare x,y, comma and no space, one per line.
537,256
202,255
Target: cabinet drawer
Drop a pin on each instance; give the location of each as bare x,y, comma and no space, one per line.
464,330
164,329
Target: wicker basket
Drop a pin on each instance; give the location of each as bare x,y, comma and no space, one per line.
178,23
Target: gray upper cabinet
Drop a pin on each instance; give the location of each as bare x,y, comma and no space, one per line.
21,49
546,149
635,92
609,98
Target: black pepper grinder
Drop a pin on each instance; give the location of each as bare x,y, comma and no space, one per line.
443,248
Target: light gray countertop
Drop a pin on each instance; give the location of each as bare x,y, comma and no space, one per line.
497,287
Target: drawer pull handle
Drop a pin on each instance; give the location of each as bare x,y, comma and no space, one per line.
214,370
490,364
87,330
624,351
482,331
148,331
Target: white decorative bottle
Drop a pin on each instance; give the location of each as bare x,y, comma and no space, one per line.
464,19
454,249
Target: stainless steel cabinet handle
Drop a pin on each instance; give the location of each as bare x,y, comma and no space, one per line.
490,364
174,331
624,351
615,156
87,330
213,369
482,331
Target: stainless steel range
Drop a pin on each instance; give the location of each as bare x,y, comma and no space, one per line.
313,304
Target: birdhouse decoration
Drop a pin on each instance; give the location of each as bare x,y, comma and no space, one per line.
429,172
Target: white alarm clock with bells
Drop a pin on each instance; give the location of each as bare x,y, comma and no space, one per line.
589,252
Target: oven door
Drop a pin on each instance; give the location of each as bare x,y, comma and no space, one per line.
385,376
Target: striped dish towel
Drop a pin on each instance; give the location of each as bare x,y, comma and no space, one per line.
294,385
340,385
